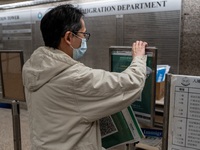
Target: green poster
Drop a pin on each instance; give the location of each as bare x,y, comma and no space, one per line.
143,106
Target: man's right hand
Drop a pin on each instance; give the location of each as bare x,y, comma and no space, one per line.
138,48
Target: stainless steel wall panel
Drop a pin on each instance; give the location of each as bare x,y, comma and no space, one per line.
103,35
160,29
37,36
17,36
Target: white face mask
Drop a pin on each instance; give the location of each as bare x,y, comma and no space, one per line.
79,52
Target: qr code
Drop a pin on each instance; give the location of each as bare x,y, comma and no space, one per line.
107,126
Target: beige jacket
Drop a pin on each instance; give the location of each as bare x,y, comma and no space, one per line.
66,99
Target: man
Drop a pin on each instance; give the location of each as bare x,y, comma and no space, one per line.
65,98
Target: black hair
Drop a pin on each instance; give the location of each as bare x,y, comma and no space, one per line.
58,21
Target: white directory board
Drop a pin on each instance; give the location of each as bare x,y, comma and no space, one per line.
183,121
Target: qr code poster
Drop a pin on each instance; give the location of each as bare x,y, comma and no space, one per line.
107,126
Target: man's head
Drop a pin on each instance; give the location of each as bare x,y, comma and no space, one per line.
63,28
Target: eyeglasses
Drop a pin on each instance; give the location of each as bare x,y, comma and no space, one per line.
86,35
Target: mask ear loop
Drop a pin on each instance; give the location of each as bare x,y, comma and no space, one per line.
71,47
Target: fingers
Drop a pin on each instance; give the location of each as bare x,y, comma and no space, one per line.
138,48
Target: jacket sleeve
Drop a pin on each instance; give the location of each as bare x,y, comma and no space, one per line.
101,93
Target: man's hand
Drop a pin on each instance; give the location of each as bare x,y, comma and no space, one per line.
138,48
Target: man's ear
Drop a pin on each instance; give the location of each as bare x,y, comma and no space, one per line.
68,37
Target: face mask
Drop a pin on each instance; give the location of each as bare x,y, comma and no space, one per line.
79,52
